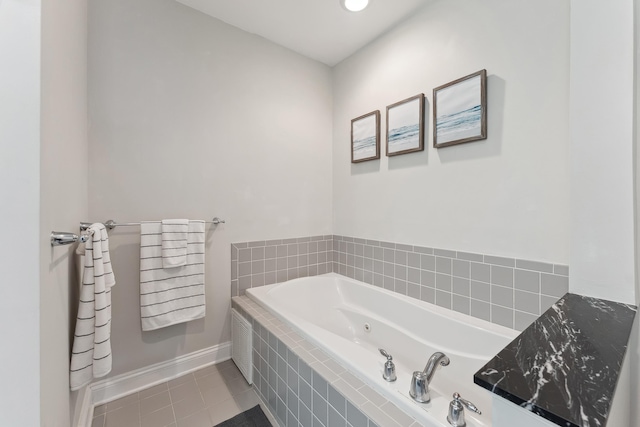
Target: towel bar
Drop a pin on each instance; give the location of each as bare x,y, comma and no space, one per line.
59,238
111,224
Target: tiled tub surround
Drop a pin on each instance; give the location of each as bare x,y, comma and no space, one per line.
303,386
507,291
266,262
565,366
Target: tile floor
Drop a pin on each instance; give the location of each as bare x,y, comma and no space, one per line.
203,398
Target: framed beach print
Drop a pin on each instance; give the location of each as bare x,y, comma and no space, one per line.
365,137
460,110
405,121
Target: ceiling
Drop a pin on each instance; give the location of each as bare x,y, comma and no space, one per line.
319,29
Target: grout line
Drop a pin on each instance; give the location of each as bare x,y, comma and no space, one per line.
175,420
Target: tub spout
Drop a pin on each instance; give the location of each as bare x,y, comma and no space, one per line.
419,389
436,359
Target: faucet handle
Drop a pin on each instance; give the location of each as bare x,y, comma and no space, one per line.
456,410
389,371
385,354
470,406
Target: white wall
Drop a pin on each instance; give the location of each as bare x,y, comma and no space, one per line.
19,210
506,195
64,154
190,117
602,153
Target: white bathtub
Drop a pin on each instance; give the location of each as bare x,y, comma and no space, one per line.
331,311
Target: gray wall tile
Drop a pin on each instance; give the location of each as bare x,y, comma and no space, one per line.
553,285
428,262
480,272
337,401
335,419
528,302
401,257
257,253
562,270
244,255
470,256
445,253
461,268
481,310
461,286
428,294
428,278
502,276
413,290
368,251
355,417
502,316
443,299
522,320
400,286
270,252
527,280
423,250
480,291
497,260
400,272
546,302
443,282
502,296
413,260
443,265
413,275
461,304
534,265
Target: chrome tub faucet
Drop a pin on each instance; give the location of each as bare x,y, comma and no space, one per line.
419,389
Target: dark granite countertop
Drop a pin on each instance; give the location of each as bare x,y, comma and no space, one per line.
565,366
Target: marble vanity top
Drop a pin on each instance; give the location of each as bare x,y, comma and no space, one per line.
565,366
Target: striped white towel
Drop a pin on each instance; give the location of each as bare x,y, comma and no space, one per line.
174,242
91,354
175,295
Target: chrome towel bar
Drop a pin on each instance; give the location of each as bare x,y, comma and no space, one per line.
59,238
111,224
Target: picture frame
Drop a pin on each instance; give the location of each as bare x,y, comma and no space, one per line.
365,137
405,126
460,110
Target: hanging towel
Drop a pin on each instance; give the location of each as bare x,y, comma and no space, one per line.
174,242
174,295
91,354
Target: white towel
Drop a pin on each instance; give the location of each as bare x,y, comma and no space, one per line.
174,295
91,354
174,242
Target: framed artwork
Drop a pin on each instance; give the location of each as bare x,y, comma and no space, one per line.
365,137
405,121
460,110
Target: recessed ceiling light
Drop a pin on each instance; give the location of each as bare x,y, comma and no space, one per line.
354,5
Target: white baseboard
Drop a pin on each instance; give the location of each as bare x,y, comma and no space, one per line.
110,389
